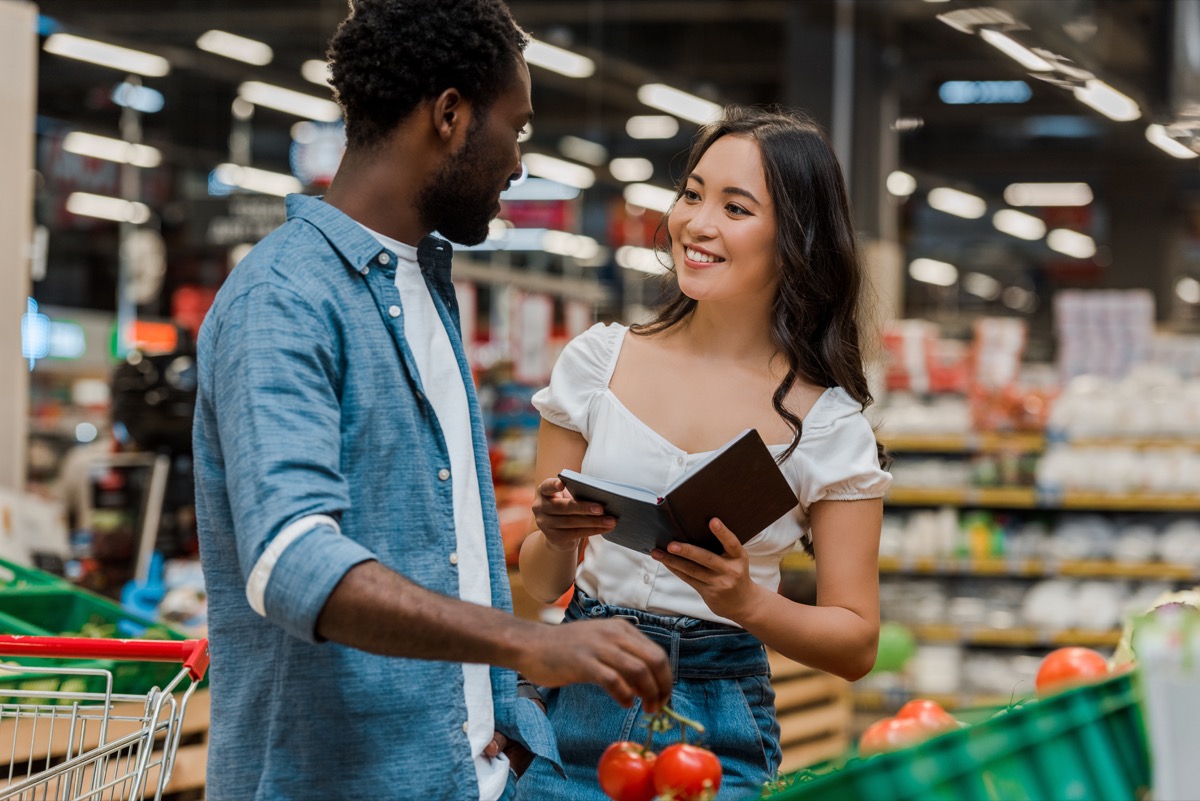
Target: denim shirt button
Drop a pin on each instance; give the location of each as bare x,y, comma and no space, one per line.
366,270
443,474
394,311
453,558
384,259
466,726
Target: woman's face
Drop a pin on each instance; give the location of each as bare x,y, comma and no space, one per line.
723,225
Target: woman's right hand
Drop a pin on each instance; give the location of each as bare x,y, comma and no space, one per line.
565,521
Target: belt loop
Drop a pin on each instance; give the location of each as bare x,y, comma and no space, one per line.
675,654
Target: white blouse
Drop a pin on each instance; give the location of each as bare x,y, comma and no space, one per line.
836,459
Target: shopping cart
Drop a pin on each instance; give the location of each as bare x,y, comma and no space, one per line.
80,740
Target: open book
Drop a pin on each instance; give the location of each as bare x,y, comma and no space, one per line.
738,483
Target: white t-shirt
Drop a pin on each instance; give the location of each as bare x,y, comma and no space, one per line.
443,385
836,459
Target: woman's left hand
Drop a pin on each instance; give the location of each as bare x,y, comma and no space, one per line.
723,580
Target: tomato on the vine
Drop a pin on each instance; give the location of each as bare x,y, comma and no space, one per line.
687,772
890,734
626,772
929,715
1069,667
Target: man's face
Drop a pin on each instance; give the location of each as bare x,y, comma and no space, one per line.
464,195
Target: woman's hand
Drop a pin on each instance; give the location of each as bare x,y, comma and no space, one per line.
565,521
723,580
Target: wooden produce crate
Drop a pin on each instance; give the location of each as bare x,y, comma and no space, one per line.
815,711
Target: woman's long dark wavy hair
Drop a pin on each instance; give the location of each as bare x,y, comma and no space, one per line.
815,317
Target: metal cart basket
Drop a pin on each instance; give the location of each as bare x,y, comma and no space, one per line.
68,737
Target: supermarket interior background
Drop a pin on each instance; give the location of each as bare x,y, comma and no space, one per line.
1025,183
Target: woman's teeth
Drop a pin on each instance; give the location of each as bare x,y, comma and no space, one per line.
696,255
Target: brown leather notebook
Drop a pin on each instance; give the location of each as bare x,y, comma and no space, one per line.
738,483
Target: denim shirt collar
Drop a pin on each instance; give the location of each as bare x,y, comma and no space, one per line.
359,248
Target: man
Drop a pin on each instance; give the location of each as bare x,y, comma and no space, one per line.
347,521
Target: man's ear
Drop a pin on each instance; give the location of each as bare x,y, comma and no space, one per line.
450,114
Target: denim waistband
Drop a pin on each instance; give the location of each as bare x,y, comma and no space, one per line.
699,649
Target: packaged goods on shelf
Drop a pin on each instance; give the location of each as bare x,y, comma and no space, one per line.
1103,332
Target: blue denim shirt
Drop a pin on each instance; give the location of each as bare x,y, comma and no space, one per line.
310,404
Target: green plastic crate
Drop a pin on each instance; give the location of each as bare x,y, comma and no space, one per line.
20,577
66,611
1086,743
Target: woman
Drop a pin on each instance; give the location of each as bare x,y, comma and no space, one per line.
760,331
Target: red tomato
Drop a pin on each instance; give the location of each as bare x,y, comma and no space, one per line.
929,714
890,734
1069,667
687,772
626,772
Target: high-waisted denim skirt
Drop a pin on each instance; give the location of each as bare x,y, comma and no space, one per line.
721,680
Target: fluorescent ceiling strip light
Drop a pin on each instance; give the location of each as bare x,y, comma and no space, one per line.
588,152
1015,50
631,169
1060,194
680,103
238,48
556,59
982,286
1187,289
86,204
1071,243
652,126
901,184
1157,135
644,260
649,196
539,189
1108,101
565,172
107,55
316,71
932,271
960,204
102,147
1019,224
289,102
568,244
256,180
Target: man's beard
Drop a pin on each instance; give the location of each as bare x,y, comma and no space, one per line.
457,202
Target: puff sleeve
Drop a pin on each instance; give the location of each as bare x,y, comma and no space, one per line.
580,374
838,454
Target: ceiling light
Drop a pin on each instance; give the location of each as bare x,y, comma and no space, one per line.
680,103
316,71
556,59
583,150
138,98
1071,243
932,271
1063,194
102,147
289,102
652,126
631,169
256,180
983,286
1188,290
1019,224
649,196
1019,299
106,55
568,244
539,189
643,260
1157,135
565,172
86,204
901,184
239,48
960,204
1108,101
1016,51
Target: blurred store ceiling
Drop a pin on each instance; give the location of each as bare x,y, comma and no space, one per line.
749,51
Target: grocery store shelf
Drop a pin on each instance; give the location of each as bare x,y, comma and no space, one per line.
971,442
1030,498
1037,568
1022,637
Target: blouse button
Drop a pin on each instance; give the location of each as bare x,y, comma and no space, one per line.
680,460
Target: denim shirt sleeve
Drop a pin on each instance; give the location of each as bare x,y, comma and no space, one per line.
274,392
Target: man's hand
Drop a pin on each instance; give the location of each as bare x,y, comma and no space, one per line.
565,521
519,757
610,653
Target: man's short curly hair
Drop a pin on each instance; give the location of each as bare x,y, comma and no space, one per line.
390,55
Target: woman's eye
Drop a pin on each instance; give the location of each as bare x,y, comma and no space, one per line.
691,194
736,209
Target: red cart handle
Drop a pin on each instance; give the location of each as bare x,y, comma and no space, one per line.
192,653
